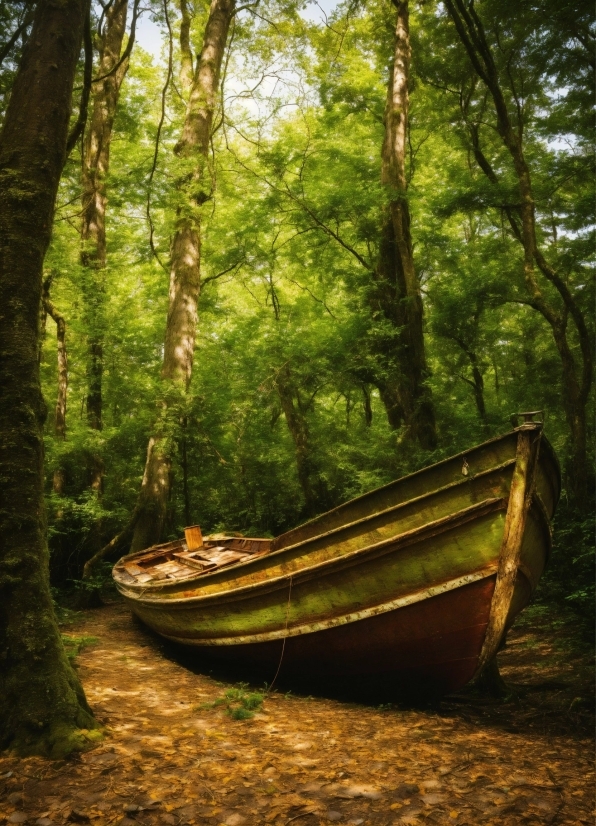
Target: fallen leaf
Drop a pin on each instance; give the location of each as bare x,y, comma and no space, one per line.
405,790
235,819
78,817
432,799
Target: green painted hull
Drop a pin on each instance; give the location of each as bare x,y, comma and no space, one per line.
426,540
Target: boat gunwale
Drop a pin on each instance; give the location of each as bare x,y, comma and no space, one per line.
462,454
377,549
165,587
344,619
246,592
375,610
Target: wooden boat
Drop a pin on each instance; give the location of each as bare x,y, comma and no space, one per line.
414,583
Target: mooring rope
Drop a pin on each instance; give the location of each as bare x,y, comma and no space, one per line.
283,645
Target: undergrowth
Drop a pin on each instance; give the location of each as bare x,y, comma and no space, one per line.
74,645
240,704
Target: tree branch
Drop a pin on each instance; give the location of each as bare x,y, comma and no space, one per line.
223,272
6,48
79,127
127,51
162,118
113,545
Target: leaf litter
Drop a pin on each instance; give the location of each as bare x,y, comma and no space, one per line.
184,748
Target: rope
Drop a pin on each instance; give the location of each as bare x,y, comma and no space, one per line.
283,646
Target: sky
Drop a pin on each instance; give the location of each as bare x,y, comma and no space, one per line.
149,35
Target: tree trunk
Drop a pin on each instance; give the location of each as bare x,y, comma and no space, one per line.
396,294
184,273
477,382
95,167
184,461
42,703
478,386
576,382
60,419
315,495
391,399
186,67
368,413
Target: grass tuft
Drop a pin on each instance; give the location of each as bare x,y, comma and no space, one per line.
74,645
240,704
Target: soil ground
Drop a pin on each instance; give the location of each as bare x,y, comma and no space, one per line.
175,754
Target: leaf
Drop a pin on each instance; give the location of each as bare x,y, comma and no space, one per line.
432,799
75,816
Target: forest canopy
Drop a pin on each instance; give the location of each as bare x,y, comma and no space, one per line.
286,412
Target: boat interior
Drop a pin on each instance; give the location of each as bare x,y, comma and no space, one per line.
185,558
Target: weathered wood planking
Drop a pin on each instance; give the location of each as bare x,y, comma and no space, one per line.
437,539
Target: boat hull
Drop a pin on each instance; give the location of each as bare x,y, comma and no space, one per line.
386,587
429,647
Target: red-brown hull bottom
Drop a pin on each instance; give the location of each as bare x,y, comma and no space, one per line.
431,646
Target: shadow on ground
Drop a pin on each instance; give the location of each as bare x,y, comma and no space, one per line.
549,673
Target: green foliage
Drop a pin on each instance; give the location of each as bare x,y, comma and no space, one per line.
74,645
571,573
290,238
239,703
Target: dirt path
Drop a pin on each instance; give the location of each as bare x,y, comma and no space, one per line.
171,757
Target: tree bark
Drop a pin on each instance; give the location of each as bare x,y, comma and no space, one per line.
576,381
477,384
184,274
368,413
477,381
42,703
186,62
315,494
396,295
95,167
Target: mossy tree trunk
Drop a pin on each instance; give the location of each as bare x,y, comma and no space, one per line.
194,190
42,704
396,299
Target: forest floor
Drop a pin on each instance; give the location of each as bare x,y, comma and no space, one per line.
174,753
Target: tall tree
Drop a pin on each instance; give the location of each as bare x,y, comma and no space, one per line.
396,296
558,306
294,409
195,190
111,70
42,704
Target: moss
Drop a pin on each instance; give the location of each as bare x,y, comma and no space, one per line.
42,704
58,742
